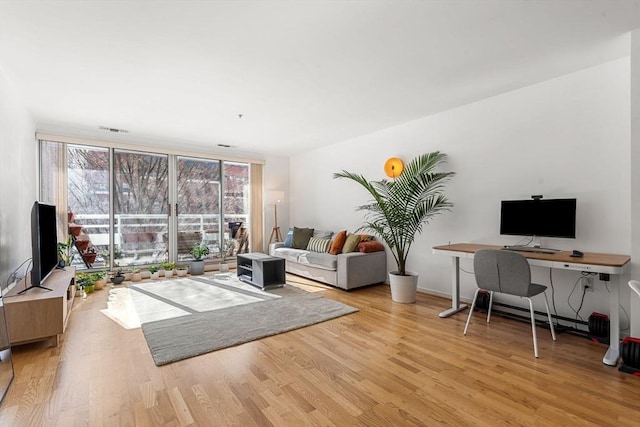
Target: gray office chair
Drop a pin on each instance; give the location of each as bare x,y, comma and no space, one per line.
508,273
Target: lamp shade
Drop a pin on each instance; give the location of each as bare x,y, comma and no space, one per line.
393,167
275,197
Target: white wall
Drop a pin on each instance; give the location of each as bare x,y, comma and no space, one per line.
566,137
635,177
276,178
18,163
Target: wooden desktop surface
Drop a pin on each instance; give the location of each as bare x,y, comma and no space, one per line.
609,260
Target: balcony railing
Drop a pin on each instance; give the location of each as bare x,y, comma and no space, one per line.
141,239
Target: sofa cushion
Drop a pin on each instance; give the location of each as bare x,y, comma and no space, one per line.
351,243
318,259
287,240
338,242
301,237
322,234
318,245
289,254
370,246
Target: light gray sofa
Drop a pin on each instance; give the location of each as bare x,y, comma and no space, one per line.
346,271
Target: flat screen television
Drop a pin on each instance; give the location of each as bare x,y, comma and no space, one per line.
543,218
44,243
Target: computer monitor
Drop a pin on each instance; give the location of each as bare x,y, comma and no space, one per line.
539,217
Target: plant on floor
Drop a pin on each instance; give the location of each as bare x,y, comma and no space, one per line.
117,277
86,281
402,207
154,269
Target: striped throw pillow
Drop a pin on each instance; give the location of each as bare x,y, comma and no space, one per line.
318,245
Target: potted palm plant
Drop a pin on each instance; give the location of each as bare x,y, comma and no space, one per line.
199,251
399,211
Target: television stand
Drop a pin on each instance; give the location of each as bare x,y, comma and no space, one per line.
41,314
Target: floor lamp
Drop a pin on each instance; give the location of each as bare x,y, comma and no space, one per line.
275,197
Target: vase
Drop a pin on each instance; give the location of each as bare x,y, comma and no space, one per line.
224,267
403,288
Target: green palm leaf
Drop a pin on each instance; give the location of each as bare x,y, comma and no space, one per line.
400,209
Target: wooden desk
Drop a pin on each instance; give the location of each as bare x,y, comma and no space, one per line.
615,265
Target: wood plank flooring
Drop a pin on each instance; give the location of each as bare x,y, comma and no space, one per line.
387,365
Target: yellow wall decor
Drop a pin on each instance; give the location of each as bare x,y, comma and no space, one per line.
393,167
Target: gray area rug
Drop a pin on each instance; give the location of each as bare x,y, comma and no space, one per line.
262,315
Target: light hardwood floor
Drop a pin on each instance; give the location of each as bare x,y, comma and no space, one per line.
387,365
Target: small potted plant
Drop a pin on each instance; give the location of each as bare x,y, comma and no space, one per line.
181,270
136,276
98,277
90,255
118,277
64,252
87,282
199,251
155,272
168,269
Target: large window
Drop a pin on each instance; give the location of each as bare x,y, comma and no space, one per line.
140,208
198,205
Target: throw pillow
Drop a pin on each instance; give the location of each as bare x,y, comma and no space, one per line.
338,242
370,246
301,237
287,240
322,234
367,237
351,243
318,245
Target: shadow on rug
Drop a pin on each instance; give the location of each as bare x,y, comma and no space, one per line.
198,333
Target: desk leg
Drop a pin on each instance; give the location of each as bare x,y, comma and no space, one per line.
613,353
455,290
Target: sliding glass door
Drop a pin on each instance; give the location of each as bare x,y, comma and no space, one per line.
198,195
140,207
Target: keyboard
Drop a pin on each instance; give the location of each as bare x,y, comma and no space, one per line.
530,249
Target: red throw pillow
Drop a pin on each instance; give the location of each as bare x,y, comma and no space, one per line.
338,243
370,246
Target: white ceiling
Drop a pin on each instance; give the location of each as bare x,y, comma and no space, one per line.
302,74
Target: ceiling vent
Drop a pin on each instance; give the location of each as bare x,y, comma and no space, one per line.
114,130
227,146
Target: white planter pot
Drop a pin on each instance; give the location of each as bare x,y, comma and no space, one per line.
155,276
223,268
136,277
403,288
168,273
181,272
